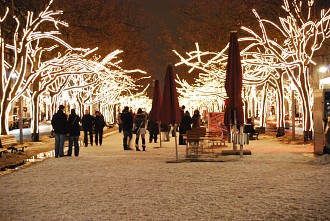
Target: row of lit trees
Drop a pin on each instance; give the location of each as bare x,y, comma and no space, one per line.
282,63
29,68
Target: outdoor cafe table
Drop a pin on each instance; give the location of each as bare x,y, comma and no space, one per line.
199,142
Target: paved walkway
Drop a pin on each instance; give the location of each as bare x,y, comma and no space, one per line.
277,182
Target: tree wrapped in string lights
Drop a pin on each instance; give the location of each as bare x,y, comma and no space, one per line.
300,35
24,50
136,100
208,89
30,73
53,77
85,82
277,63
107,85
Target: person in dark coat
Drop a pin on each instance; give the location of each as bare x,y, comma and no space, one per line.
74,132
196,119
140,122
181,126
127,125
88,124
182,111
59,123
185,125
153,128
99,124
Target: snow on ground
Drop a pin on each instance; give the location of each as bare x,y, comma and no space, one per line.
277,182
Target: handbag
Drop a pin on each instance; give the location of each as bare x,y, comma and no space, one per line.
136,130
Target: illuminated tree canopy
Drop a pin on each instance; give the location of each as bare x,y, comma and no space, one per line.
269,62
74,74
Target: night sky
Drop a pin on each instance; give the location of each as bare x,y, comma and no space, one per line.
162,13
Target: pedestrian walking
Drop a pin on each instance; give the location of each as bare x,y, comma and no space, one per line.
99,124
88,124
74,132
140,123
153,128
59,123
127,124
185,125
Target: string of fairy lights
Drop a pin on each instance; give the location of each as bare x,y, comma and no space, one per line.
267,63
272,68
72,77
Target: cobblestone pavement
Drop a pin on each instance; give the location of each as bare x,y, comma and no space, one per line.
277,182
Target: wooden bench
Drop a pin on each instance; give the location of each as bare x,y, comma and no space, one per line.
10,143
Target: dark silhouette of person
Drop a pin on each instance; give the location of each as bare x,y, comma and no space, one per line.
127,126
99,124
87,125
185,125
153,128
141,123
196,119
74,132
59,123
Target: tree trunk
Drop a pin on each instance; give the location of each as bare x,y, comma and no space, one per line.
246,109
2,72
262,129
307,119
35,119
4,113
307,110
280,108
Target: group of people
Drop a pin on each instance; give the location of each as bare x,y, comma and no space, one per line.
69,127
188,122
136,125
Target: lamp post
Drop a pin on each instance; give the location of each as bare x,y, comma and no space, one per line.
293,112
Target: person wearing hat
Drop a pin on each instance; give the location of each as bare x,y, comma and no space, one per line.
60,126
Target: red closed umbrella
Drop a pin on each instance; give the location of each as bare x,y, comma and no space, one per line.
233,84
156,103
170,111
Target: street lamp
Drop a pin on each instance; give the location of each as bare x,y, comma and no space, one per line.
324,76
323,69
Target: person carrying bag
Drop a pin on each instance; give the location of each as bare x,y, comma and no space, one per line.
140,127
